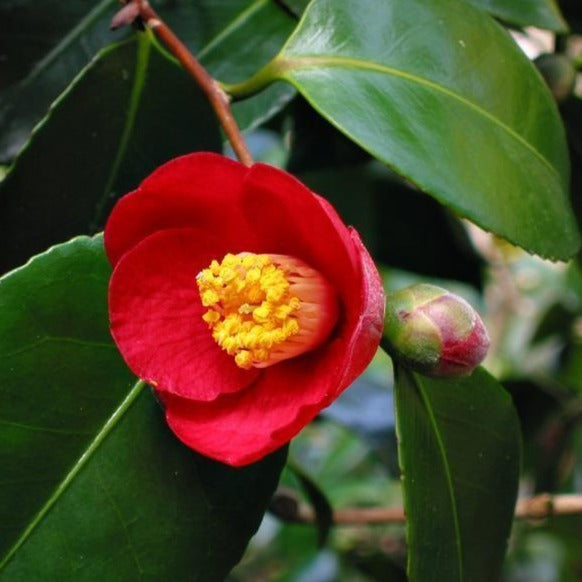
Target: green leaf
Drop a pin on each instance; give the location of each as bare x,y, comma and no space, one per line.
68,34
46,44
319,501
93,483
541,13
441,92
30,30
127,113
459,449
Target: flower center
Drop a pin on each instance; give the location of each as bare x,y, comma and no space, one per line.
266,308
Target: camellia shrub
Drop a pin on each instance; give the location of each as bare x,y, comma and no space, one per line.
300,269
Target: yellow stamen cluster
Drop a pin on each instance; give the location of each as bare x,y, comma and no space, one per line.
251,307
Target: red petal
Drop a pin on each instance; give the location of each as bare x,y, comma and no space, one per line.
289,219
156,316
241,428
198,190
367,330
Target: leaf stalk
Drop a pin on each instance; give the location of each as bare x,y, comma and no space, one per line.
217,97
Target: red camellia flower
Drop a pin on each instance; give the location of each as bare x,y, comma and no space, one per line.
242,298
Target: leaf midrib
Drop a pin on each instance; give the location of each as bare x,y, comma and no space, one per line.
285,66
100,437
446,468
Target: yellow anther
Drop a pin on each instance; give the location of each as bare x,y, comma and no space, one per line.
244,359
255,294
254,311
227,274
210,297
211,316
283,311
253,275
261,313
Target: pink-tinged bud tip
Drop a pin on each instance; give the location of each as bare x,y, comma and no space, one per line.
434,332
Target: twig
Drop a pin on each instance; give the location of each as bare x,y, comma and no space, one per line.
219,100
547,505
539,507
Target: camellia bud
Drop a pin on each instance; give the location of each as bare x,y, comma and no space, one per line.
434,332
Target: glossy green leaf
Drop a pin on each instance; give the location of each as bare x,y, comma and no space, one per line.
541,13
459,449
130,111
94,485
45,44
441,92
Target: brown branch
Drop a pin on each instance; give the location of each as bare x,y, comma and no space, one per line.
217,97
538,507
547,505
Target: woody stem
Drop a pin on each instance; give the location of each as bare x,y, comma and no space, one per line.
541,506
217,97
